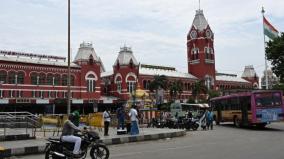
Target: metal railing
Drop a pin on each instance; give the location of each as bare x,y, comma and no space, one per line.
18,123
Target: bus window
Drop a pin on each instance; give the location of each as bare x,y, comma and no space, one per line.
268,99
277,99
245,101
235,103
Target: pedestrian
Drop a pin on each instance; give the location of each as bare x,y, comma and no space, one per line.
120,117
106,116
133,114
202,120
209,119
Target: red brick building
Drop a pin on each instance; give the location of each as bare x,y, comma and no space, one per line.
38,83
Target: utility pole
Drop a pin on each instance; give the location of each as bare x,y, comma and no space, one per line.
68,79
265,59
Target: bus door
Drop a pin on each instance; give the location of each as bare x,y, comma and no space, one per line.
245,105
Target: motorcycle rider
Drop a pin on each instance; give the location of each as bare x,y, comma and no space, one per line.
68,134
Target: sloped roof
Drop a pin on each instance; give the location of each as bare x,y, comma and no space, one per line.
230,79
249,72
106,74
199,22
86,49
162,71
24,58
124,56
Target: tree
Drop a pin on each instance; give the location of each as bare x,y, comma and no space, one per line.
160,81
275,54
279,87
198,88
213,93
175,89
159,84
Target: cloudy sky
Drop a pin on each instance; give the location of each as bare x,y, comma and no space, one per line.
155,29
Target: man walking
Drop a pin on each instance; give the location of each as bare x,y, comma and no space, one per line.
209,119
134,120
120,117
106,116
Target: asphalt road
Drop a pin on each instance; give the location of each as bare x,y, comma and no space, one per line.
224,141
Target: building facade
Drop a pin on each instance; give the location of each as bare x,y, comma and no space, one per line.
38,83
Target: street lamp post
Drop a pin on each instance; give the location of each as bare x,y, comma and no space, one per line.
68,79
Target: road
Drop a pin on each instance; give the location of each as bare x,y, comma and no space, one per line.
224,141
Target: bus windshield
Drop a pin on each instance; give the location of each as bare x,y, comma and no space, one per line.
268,99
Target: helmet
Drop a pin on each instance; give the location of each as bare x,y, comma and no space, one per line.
71,117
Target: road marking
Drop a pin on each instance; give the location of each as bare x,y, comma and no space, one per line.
150,151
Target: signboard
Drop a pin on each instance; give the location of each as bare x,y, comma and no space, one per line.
4,101
42,101
77,101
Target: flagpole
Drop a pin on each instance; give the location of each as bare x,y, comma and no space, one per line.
265,59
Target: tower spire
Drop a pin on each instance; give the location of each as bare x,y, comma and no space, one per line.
199,4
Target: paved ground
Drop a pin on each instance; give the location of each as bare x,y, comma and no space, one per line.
222,142
41,137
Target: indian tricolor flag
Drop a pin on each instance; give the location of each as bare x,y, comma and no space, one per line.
269,30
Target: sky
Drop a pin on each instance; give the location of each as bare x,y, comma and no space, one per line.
156,30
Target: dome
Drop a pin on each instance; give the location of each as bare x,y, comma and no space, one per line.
125,56
249,72
199,22
86,51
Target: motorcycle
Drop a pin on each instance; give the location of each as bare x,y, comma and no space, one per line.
191,123
56,149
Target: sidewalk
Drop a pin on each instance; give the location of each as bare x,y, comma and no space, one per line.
33,146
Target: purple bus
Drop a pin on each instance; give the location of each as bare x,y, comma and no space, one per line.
257,108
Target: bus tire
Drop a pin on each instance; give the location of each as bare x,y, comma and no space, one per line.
237,122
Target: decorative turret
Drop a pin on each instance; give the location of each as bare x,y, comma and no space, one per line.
200,50
85,52
125,71
125,57
91,68
250,75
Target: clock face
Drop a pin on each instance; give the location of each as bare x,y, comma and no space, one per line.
193,34
208,34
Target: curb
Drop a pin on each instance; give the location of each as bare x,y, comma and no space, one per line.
113,141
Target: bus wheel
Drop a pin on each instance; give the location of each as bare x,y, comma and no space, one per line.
237,122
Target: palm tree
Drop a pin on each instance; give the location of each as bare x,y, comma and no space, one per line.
175,89
198,88
160,82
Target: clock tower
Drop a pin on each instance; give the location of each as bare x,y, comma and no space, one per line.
200,50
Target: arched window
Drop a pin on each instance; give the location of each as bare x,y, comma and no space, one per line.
64,80
207,52
20,78
131,84
72,80
42,79
34,79
3,77
91,83
144,84
195,52
91,59
57,80
12,78
49,79
212,53
118,84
